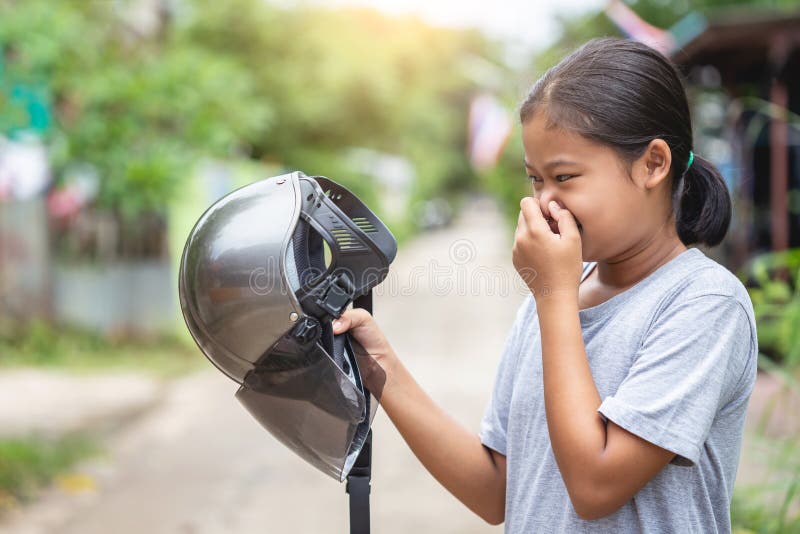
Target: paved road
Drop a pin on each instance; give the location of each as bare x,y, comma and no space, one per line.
199,464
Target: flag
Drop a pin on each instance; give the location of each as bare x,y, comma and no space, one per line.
489,129
633,27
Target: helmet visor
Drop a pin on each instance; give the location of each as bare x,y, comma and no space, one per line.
315,406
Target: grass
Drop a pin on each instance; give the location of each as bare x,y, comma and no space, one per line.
771,505
41,345
31,463
749,514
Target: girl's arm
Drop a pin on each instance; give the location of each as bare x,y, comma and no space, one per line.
473,473
602,465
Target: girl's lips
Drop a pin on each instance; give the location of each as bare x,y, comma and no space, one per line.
554,225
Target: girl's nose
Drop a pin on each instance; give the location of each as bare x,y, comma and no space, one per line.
544,203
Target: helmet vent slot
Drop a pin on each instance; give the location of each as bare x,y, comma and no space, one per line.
366,226
346,240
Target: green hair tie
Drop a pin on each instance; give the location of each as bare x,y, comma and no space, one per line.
691,159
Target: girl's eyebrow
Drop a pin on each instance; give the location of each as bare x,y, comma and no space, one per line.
550,165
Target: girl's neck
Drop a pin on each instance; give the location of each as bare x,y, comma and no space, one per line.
634,266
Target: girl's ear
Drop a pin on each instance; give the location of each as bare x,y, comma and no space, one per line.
654,164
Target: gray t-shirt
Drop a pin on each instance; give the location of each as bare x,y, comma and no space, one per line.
674,361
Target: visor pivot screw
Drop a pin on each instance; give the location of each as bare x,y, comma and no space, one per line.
307,331
293,316
281,181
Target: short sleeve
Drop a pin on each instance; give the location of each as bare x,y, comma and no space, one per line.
689,364
494,425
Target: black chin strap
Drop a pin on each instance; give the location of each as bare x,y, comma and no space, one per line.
358,488
359,476
309,254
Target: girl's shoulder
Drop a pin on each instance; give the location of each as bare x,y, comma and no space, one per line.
701,279
702,275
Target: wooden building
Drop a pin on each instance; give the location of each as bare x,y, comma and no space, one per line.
755,58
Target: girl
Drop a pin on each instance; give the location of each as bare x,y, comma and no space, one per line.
620,398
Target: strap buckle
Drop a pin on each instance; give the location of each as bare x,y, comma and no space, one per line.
337,292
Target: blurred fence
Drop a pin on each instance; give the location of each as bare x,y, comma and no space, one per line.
132,297
103,292
25,266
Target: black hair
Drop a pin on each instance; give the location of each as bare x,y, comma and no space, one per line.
624,94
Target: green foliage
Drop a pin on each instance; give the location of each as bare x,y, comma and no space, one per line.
750,516
242,78
186,103
771,505
28,464
138,110
40,344
773,282
351,78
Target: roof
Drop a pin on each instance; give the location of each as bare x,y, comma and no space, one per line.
735,41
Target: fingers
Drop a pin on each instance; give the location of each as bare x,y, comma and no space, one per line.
521,225
531,213
567,227
351,319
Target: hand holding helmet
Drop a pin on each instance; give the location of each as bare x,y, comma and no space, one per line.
365,330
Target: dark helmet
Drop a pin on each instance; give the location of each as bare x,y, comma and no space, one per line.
258,297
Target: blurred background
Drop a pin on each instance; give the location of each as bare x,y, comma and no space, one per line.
121,121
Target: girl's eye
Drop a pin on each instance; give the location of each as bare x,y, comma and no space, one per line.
559,178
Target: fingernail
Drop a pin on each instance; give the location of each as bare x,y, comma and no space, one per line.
337,325
554,205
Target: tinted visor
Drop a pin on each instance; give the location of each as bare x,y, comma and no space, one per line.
315,403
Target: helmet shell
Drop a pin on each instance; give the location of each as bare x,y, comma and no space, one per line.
235,296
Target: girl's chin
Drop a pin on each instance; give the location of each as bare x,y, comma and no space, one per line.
585,252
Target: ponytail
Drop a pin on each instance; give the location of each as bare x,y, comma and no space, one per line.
703,204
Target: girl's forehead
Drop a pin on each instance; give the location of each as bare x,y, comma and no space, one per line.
543,144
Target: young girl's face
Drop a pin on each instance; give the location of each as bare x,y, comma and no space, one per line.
615,214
